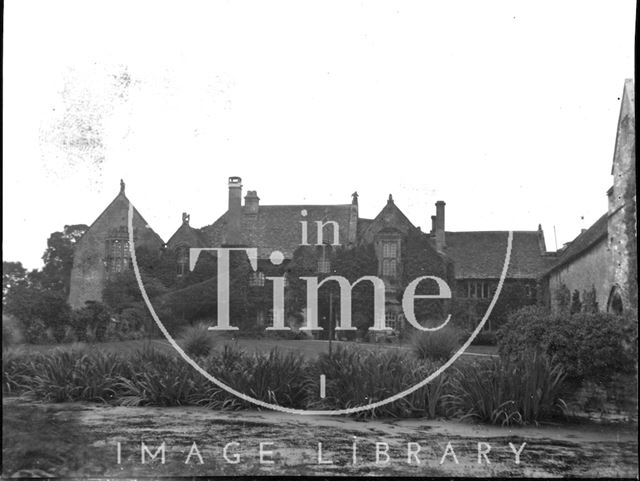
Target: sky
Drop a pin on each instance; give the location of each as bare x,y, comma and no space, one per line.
506,110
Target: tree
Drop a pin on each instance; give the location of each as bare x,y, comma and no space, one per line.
58,258
13,274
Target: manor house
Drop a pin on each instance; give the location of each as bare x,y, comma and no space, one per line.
471,261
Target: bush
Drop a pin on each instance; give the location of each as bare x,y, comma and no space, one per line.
90,322
591,346
437,345
198,340
518,390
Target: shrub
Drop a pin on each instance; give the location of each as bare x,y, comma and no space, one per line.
90,322
35,332
518,390
592,346
198,340
437,345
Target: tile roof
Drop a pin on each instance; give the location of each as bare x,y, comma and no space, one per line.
277,227
480,255
587,239
187,235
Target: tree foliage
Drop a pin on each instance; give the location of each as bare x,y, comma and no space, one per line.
58,257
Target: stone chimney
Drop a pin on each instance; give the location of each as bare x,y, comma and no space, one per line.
234,213
251,202
433,225
440,240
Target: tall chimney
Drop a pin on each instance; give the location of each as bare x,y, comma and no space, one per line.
251,202
234,214
433,224
440,241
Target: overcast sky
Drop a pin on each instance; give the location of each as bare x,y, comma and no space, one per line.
505,110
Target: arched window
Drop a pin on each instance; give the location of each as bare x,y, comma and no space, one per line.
615,305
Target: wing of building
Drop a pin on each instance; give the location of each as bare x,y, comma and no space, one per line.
602,261
104,249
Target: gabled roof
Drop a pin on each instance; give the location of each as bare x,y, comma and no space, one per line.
481,255
188,236
581,244
121,202
278,227
390,217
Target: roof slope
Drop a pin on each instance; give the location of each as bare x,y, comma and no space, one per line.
118,211
481,255
587,239
186,235
278,227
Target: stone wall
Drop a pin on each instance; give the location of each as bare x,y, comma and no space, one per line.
591,270
622,224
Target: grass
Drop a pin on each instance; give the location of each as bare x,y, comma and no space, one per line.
506,392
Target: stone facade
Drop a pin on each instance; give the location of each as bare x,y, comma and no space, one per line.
604,257
104,249
622,218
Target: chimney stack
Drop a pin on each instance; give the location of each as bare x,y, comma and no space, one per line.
440,240
251,202
234,214
433,224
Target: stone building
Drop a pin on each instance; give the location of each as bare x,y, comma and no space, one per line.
104,249
601,263
473,261
470,262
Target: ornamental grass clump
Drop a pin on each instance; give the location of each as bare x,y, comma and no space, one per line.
508,391
356,378
198,340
